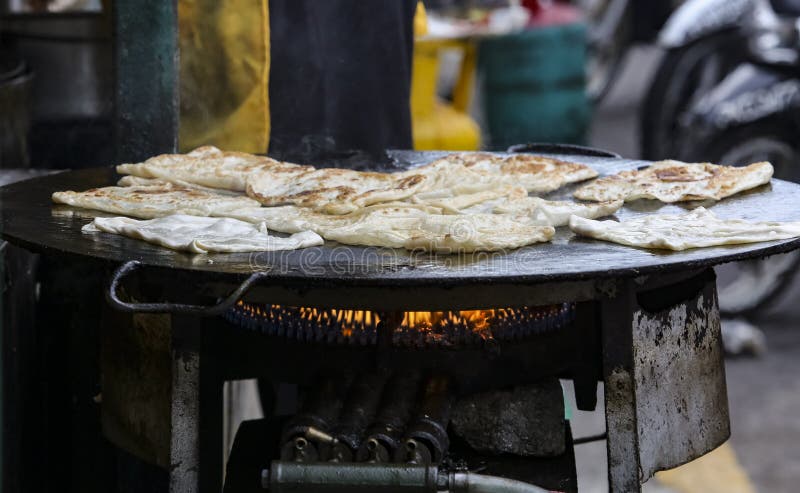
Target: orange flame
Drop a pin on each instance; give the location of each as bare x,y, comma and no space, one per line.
350,321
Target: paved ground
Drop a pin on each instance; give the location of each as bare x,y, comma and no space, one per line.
764,393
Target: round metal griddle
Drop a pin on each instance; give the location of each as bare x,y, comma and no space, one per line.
31,220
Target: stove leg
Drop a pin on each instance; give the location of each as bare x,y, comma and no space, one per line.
196,415
620,401
665,393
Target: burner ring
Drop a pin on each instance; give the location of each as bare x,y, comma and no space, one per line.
417,330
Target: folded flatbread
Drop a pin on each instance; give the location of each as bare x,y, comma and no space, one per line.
537,174
452,202
203,234
332,190
674,181
450,176
155,200
556,212
291,219
410,226
131,180
515,201
696,229
449,233
210,167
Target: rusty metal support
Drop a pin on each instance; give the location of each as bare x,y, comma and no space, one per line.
620,395
665,393
196,416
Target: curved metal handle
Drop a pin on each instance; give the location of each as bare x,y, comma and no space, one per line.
563,149
176,308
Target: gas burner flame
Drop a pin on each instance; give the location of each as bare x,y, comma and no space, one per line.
417,329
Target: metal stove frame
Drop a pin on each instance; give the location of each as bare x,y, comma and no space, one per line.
654,342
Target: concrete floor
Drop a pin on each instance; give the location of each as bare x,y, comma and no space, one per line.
764,392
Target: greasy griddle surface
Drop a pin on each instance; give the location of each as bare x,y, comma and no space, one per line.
31,220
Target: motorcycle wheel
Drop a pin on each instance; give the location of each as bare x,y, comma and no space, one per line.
754,285
683,76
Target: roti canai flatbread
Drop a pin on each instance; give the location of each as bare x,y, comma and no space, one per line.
389,227
203,234
515,201
537,174
452,202
556,212
291,219
449,176
332,190
410,226
675,181
696,229
132,180
148,201
210,167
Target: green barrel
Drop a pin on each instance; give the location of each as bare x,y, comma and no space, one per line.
534,86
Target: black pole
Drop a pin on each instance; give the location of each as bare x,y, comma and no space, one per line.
147,71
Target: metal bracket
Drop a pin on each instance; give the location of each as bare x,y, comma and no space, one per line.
122,271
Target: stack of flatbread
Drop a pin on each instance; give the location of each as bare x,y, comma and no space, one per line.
464,202
460,203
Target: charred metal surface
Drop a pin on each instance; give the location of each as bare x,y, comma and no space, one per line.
321,410
552,473
682,402
136,374
196,413
185,415
426,440
147,96
666,401
383,436
620,399
358,412
526,421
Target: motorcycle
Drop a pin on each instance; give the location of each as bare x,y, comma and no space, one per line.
753,114
702,41
613,25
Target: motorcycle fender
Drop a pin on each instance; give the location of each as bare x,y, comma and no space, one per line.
748,94
697,18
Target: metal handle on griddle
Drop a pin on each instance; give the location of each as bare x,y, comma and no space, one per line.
175,308
563,149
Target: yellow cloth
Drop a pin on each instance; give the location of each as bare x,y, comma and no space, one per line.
224,72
